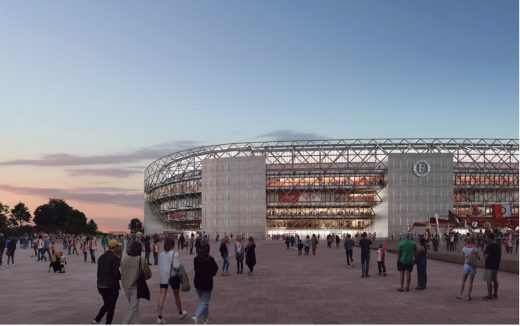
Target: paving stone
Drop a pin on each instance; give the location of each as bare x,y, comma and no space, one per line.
286,289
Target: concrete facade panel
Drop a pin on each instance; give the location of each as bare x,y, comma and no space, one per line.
413,198
234,197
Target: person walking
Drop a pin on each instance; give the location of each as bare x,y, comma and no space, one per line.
250,255
239,254
84,249
191,243
314,244
420,261
493,256
155,251
349,247
169,260
92,246
10,249
47,247
131,267
205,269
147,249
338,240
405,256
104,243
2,247
224,254
381,255
470,255
365,244
108,277
40,245
307,245
182,240
75,246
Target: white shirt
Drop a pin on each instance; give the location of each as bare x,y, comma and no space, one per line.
165,264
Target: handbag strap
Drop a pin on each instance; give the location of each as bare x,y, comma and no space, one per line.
171,265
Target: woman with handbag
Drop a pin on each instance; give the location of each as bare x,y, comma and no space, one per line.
169,263
132,266
205,269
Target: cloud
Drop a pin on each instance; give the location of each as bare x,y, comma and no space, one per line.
115,172
65,159
284,134
98,195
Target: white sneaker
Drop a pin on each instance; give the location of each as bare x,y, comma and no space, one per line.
183,315
94,321
161,321
195,320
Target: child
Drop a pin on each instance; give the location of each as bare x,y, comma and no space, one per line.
381,252
156,251
84,249
55,263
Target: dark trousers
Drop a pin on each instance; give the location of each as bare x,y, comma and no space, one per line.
307,251
47,250
348,252
381,267
240,264
251,267
109,304
93,255
85,254
421,273
365,263
1,255
147,257
155,258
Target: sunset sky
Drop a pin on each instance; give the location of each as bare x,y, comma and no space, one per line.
91,92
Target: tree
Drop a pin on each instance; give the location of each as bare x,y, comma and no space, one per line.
92,227
4,209
61,211
135,225
76,222
19,215
44,217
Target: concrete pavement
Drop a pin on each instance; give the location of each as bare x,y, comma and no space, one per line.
286,288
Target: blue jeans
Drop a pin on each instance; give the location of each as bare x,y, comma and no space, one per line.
225,265
203,307
365,262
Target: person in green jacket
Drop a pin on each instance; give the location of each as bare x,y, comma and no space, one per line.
405,260
104,243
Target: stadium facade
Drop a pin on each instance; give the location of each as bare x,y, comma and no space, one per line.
328,186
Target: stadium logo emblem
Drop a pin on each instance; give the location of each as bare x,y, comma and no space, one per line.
421,168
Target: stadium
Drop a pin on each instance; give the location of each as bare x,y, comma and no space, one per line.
329,186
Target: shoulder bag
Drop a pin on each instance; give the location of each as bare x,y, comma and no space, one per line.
142,287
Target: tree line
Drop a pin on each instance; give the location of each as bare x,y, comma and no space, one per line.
55,216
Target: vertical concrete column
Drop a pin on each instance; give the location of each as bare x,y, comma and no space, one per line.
419,185
234,196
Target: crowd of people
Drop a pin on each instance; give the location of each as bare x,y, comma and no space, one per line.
122,265
126,265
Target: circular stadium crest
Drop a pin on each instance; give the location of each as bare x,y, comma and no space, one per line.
421,168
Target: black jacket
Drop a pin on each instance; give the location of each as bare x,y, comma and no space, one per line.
223,249
2,243
251,255
204,272
108,274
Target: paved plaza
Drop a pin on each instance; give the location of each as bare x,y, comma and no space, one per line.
285,289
